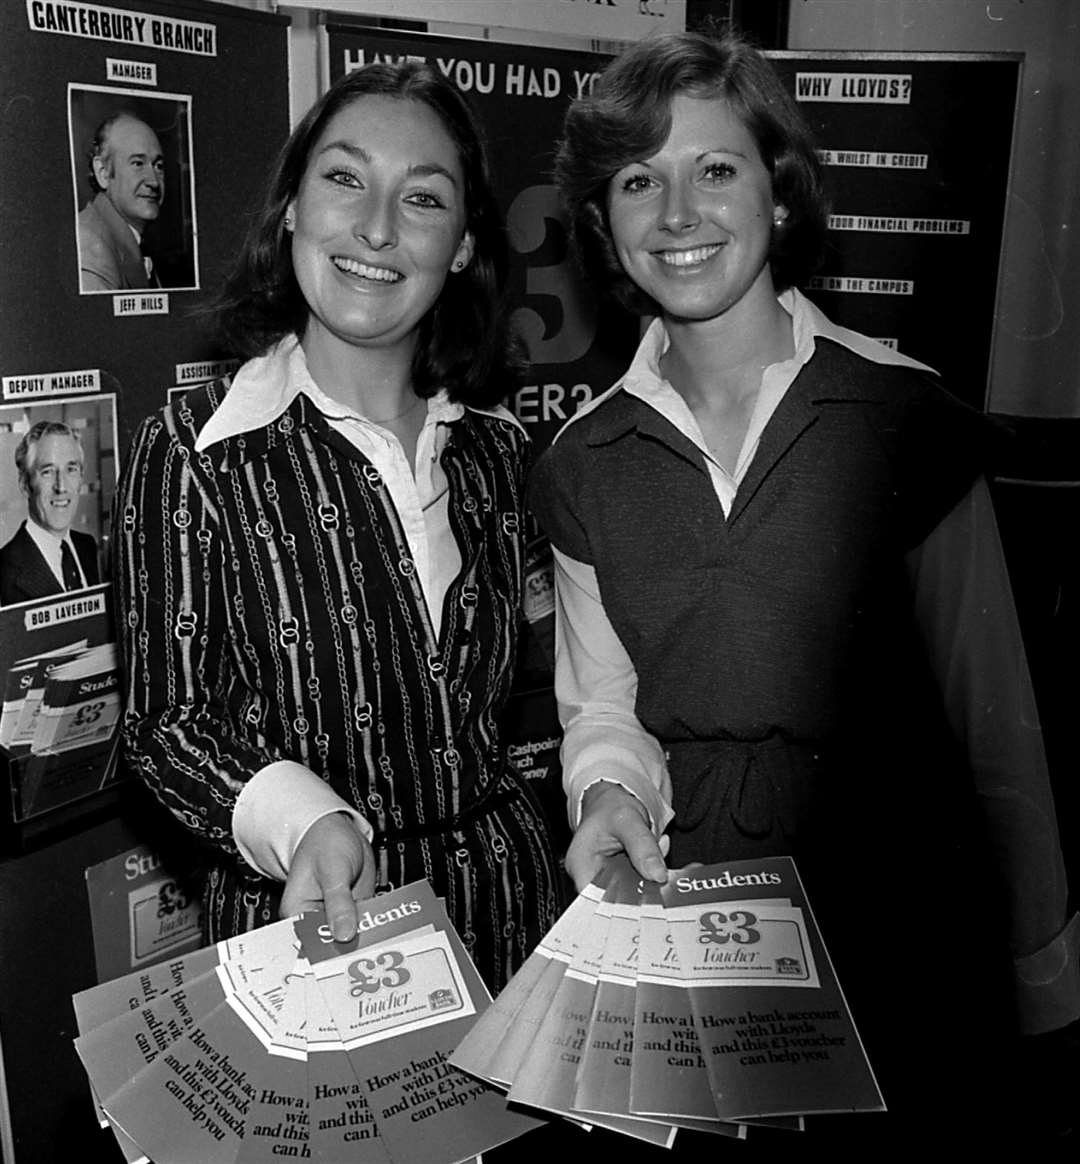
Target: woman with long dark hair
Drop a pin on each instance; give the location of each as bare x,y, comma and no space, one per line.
319,569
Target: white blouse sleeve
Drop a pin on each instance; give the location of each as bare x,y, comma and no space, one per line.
596,686
274,811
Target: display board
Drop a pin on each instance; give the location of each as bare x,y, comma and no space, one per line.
917,151
132,160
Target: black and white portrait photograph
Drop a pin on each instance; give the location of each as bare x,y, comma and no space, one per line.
133,183
57,480
538,543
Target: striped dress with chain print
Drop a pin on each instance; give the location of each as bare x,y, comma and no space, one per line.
269,609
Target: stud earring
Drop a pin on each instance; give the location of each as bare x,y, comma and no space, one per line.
779,219
289,222
459,264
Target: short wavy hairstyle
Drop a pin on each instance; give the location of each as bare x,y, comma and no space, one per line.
627,118
465,344
26,449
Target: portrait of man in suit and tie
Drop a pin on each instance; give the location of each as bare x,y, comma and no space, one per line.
134,194
46,556
127,170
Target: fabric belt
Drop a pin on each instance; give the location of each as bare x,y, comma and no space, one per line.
738,798
492,799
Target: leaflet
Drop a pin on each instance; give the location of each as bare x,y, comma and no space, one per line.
548,1073
774,1028
515,1013
341,1124
401,1001
191,1103
604,1075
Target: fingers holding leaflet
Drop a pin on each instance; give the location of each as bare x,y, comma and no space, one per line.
613,821
333,868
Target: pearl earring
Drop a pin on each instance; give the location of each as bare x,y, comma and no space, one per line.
288,222
459,264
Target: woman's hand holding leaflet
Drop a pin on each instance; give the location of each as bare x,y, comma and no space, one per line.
333,868
613,820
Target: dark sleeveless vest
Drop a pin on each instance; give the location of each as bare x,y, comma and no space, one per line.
776,650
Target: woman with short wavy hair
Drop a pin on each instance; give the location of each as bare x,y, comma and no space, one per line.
784,619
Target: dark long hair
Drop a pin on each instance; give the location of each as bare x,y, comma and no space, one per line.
628,118
464,340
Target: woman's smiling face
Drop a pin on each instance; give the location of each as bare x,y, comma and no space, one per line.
379,219
692,225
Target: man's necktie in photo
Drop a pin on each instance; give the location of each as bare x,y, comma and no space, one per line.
69,567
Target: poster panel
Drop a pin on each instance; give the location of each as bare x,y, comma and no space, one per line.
917,150
138,136
132,161
519,93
